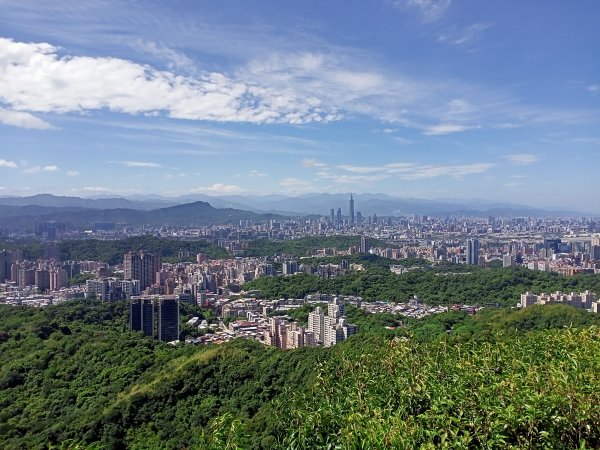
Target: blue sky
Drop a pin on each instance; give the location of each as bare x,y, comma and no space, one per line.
415,98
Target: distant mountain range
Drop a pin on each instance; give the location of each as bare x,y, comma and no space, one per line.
188,214
19,212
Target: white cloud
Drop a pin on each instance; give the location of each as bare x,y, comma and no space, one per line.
22,120
173,58
523,159
284,87
38,169
404,170
34,77
313,163
293,182
151,165
465,36
95,189
256,173
444,128
459,170
351,179
360,169
72,173
8,164
429,10
594,88
219,189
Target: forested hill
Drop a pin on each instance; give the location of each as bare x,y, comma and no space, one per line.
72,375
196,213
113,251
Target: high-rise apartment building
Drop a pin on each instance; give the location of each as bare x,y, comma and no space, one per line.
141,266
363,245
316,324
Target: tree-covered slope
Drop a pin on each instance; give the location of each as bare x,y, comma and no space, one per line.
113,251
73,374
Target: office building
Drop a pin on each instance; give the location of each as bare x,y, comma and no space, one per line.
6,261
141,316
351,217
339,222
168,318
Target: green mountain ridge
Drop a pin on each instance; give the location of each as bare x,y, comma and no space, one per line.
196,213
74,377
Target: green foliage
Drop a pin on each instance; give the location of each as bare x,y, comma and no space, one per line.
81,279
113,251
73,377
538,390
442,284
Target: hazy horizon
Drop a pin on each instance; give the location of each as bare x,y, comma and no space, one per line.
425,99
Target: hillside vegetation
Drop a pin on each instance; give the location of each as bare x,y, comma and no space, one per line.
72,375
444,284
113,251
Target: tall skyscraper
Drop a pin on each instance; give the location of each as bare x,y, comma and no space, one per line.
473,252
332,212
351,211
168,319
339,217
141,266
6,260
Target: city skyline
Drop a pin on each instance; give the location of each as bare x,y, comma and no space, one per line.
413,98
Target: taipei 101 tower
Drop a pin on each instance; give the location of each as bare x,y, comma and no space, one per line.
351,211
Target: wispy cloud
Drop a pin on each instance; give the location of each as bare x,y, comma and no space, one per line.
8,164
38,169
313,163
523,159
95,189
72,173
219,189
444,128
22,120
459,170
404,170
174,59
147,164
256,173
594,88
428,10
464,36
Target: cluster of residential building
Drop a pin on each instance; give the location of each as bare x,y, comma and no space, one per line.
584,300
